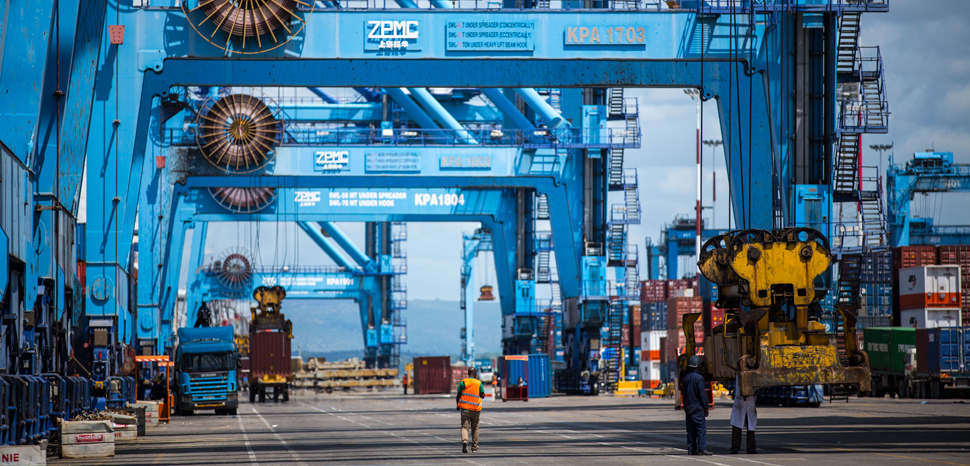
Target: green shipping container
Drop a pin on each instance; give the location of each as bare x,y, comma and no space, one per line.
886,347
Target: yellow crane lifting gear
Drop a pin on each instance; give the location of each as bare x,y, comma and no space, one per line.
770,279
269,315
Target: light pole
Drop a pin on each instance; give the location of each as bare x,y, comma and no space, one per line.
880,148
714,144
695,94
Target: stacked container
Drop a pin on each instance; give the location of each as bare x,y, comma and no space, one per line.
903,258
676,309
876,284
959,255
929,296
651,343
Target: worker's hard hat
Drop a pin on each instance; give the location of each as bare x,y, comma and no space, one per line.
695,361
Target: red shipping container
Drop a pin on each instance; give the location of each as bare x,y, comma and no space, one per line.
432,375
635,315
653,291
635,334
913,256
269,354
717,317
685,283
458,373
677,307
625,336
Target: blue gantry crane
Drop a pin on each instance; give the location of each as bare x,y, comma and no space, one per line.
165,161
926,172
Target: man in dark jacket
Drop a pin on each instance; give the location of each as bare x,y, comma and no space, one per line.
204,316
696,408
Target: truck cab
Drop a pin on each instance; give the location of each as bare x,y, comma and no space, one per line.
205,370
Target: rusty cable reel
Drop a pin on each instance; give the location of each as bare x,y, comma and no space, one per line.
244,200
239,133
248,26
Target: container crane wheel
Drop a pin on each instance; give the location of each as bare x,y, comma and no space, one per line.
248,26
239,133
244,200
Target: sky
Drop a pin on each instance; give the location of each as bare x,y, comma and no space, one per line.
925,48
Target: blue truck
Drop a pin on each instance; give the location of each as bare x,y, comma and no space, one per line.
205,370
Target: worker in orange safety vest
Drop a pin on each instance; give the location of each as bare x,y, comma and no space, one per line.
471,392
405,381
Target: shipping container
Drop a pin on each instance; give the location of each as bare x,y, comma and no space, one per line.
635,315
717,317
652,291
934,286
635,335
653,316
535,370
673,286
875,299
914,256
945,351
458,373
677,307
876,267
432,375
887,346
650,374
930,318
269,354
625,336
650,344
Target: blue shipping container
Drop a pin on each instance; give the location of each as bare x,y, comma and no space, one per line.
653,316
539,376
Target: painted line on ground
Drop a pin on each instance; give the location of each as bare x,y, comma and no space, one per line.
278,437
249,446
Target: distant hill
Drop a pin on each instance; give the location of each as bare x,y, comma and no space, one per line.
331,328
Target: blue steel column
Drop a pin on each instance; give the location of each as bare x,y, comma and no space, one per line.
344,242
116,145
507,108
414,111
430,104
319,239
26,32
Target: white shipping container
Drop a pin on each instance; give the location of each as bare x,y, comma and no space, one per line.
649,371
930,286
650,341
930,318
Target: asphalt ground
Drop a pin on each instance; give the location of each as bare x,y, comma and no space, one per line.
391,429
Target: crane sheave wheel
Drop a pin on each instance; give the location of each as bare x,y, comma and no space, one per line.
248,26
244,200
238,133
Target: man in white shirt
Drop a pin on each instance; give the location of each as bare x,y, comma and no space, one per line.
744,414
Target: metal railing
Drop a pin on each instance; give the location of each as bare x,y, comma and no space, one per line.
567,138
713,6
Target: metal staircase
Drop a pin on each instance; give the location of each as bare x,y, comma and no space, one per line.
610,355
542,207
399,291
616,244
544,249
620,108
863,109
848,41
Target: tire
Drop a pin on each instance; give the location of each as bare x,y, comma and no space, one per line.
252,394
232,412
922,390
286,395
276,396
220,412
262,395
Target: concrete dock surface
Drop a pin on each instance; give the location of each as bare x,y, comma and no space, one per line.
385,428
